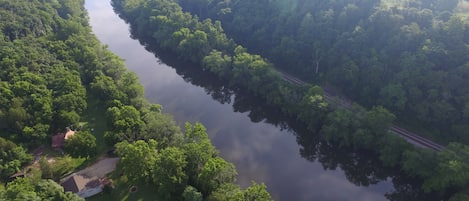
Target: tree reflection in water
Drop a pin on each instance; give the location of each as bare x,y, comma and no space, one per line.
360,167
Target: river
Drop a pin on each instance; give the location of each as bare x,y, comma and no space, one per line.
237,125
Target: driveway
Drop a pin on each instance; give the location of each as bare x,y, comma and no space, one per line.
99,169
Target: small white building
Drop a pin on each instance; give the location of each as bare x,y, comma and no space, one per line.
83,186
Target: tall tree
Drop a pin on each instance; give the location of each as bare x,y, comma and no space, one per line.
12,158
168,173
81,144
215,173
137,159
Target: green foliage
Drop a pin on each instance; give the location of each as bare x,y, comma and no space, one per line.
20,189
106,88
36,190
191,194
257,192
409,57
228,192
47,172
162,128
451,169
442,170
50,64
125,122
169,173
358,128
179,173
399,54
72,119
65,165
392,151
217,63
202,42
215,173
198,150
460,197
137,159
82,144
420,162
40,80
337,126
12,158
314,108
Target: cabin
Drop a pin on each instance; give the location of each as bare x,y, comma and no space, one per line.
58,140
82,185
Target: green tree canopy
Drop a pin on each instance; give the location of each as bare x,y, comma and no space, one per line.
169,173
81,144
198,150
257,192
36,190
215,173
191,194
137,159
12,158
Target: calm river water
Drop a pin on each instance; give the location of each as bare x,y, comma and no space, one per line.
261,151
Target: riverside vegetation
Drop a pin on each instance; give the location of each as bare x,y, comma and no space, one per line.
428,41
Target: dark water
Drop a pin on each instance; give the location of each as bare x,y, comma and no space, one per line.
263,145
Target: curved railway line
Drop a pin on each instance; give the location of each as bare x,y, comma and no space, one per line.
343,103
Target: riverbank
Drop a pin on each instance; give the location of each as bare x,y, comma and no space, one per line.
254,137
356,128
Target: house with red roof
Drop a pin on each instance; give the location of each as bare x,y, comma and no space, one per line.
58,140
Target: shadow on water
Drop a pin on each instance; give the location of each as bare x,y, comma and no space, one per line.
361,168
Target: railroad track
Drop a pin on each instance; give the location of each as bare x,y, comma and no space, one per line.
414,138
291,79
342,103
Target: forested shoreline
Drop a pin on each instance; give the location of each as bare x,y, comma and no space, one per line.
163,23
52,70
409,56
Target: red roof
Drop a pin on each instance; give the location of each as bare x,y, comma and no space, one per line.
58,141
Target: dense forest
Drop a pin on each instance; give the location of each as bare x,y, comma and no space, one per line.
53,74
410,56
195,37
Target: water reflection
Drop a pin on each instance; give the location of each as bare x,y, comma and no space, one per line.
273,150
360,168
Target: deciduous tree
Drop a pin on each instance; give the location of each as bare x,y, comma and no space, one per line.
169,173
137,159
82,144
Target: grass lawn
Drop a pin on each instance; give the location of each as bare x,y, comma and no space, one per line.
65,165
95,121
121,191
